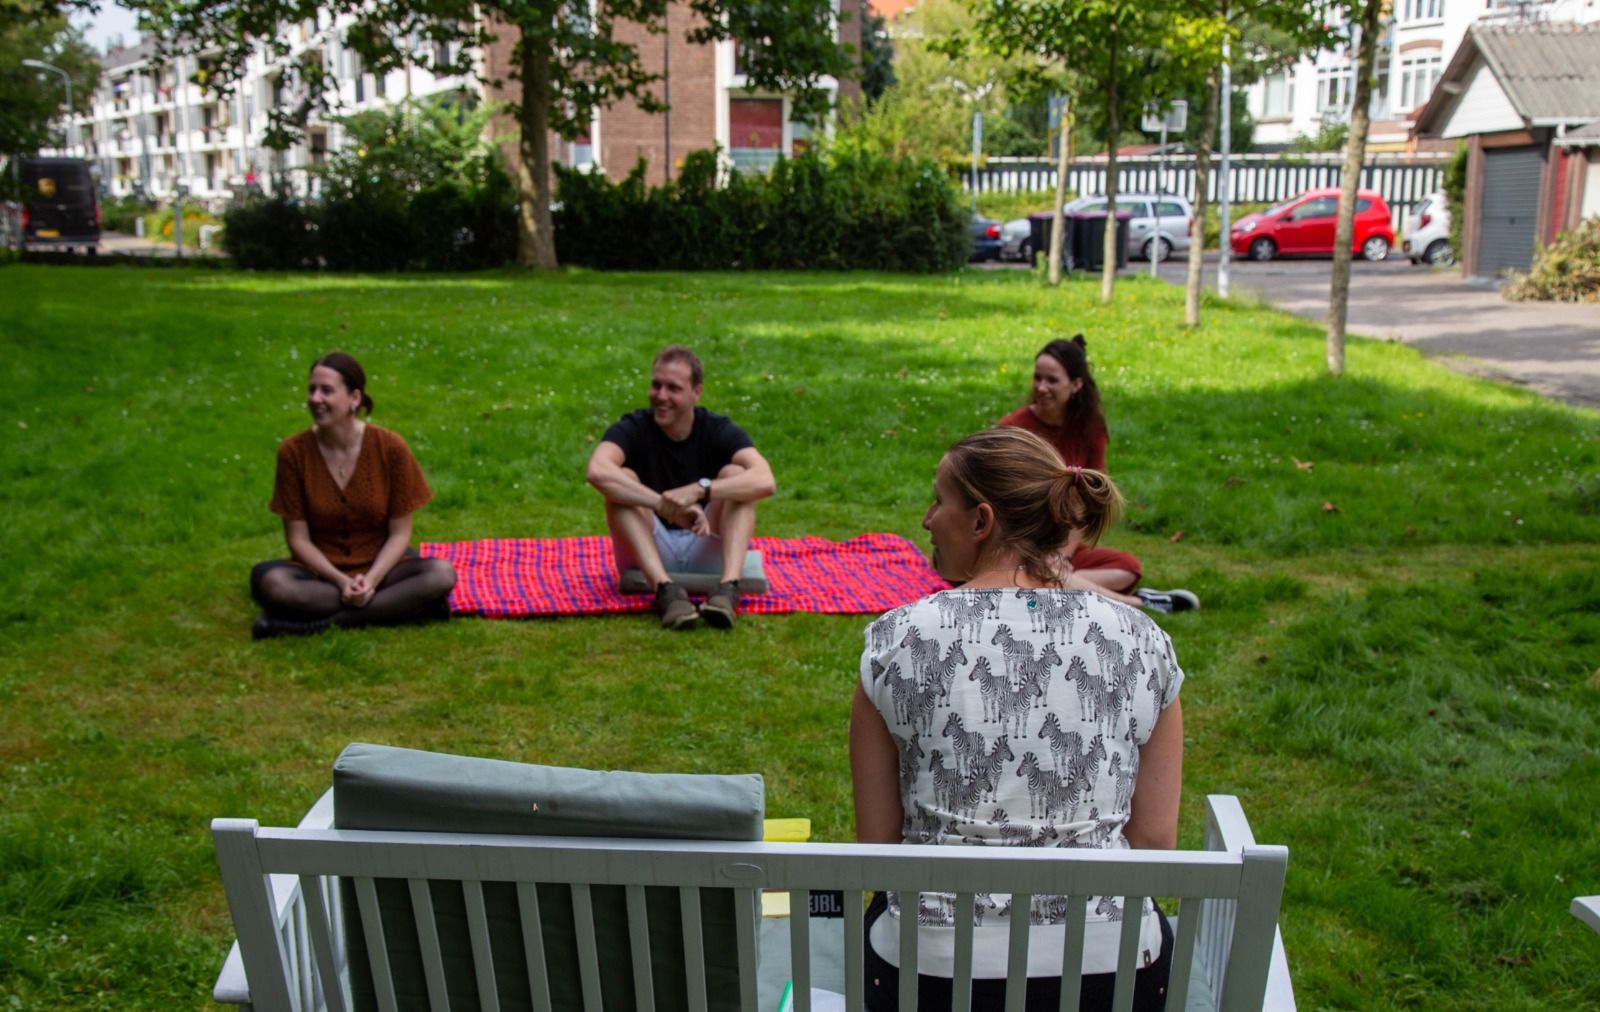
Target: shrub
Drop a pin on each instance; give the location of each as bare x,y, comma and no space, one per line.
117,214
270,233
854,211
1567,270
454,228
1454,185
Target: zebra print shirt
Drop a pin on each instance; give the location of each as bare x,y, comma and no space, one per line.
1018,716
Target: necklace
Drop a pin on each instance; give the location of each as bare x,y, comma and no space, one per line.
342,459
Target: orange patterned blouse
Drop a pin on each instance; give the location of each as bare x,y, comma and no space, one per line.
349,525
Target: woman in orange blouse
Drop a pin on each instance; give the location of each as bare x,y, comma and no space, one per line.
346,490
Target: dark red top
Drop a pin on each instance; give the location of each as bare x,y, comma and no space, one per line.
1077,448
349,525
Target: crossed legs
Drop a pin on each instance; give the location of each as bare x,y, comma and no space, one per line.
415,588
633,533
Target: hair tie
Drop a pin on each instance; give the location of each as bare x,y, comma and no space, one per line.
1074,470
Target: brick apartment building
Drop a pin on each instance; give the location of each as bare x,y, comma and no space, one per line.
711,105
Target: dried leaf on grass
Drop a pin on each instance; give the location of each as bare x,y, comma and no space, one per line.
1176,537
1328,507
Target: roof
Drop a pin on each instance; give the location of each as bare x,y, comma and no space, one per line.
1550,73
139,52
1582,137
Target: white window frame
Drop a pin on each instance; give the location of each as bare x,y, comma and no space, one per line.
1421,10
1419,75
1285,108
1335,88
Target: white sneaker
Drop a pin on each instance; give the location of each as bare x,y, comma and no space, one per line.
1176,599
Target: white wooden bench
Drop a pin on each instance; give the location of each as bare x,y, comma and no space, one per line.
283,891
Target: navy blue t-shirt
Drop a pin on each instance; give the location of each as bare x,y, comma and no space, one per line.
662,463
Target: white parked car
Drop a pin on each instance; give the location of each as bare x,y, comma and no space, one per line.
1159,227
1427,236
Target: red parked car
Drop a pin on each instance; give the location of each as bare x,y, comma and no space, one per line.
1303,226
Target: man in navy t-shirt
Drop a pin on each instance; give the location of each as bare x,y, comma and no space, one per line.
681,486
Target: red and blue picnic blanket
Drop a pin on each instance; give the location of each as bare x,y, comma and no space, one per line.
527,577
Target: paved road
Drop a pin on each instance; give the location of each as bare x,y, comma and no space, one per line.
1553,348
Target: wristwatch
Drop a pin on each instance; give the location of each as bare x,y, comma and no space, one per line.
705,491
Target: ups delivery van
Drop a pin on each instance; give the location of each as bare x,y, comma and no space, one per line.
59,207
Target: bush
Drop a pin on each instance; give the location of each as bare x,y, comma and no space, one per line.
854,211
117,214
272,234
1454,185
1567,270
377,226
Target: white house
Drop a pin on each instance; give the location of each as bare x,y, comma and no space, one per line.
151,128
1418,42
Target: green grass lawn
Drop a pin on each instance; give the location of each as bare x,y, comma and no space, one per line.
1395,667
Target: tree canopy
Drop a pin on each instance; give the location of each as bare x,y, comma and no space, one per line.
33,102
570,59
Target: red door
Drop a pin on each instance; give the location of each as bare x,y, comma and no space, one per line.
1309,228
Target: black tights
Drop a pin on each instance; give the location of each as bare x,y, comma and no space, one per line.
415,589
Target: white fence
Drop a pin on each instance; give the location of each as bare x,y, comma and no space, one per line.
1402,182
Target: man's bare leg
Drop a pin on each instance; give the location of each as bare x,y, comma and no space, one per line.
633,538
634,542
735,524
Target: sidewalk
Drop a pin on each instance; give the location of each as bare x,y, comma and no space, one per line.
128,245
1550,347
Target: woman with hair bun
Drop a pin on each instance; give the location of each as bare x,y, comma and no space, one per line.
1012,712
1065,410
346,490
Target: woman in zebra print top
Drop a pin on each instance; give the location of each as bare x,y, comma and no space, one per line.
1011,712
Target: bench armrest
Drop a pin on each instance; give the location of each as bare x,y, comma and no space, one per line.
1587,910
232,988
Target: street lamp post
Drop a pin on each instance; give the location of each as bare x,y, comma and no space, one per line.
41,65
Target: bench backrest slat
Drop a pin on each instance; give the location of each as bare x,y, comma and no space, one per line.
1017,954
910,903
322,945
800,948
1183,949
855,973
694,947
377,944
533,946
961,978
1128,953
1072,950
588,953
482,951
639,945
746,906
428,940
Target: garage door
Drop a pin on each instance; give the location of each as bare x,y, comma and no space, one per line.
1510,209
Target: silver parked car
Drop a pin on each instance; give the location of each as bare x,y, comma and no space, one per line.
1428,233
1159,228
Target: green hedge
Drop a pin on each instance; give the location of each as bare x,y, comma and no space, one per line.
857,212
444,227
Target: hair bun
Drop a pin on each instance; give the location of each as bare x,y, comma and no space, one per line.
1078,340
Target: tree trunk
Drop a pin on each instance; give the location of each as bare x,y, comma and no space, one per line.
1202,182
536,236
1108,274
1355,153
1064,162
